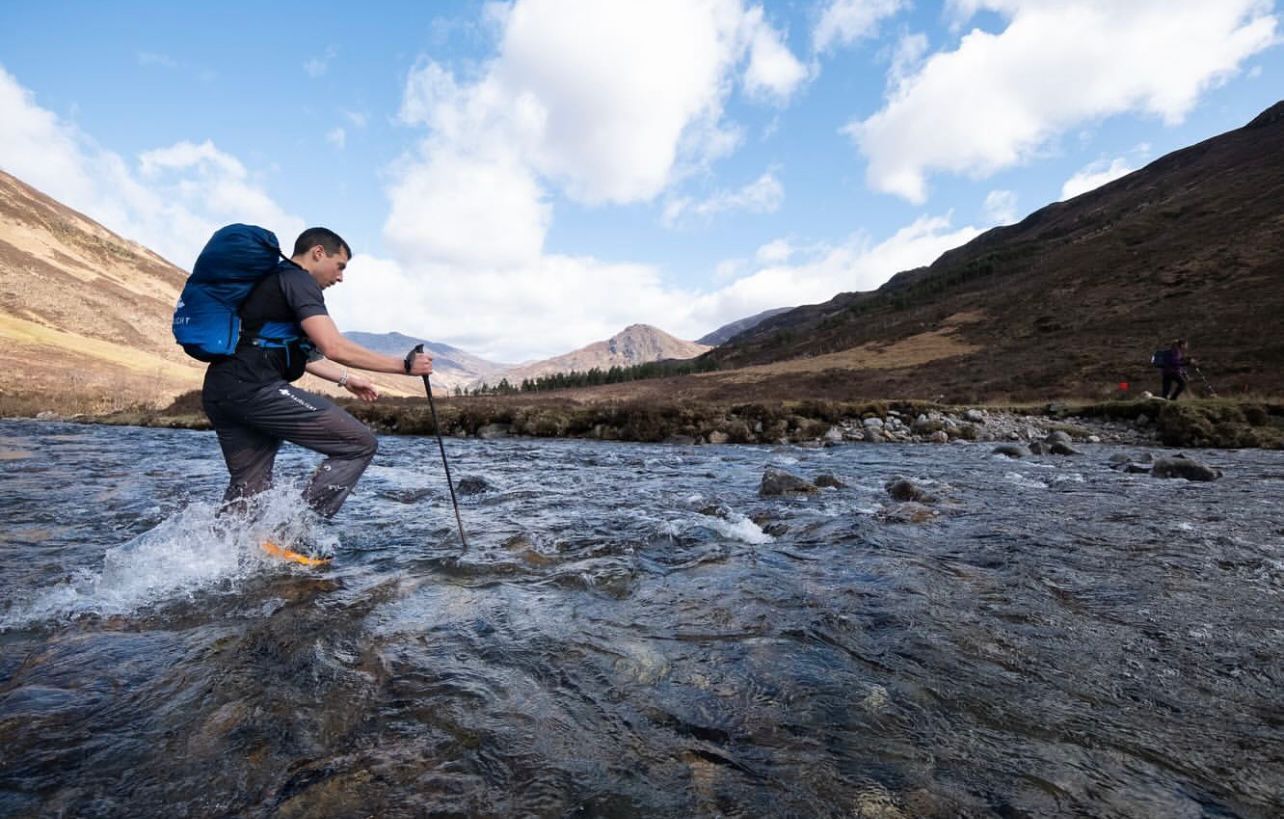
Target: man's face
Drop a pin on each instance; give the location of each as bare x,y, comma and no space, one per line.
326,269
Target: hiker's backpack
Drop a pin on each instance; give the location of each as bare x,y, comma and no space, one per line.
207,321
1160,358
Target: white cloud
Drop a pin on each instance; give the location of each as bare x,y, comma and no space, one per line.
602,103
998,99
356,118
456,208
1000,207
843,22
774,252
317,66
337,137
1094,176
149,58
773,71
171,202
906,59
763,195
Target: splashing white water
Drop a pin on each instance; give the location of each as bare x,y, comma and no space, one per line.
191,551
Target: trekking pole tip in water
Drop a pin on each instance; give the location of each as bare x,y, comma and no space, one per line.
419,348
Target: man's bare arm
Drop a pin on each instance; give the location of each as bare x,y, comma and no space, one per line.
321,330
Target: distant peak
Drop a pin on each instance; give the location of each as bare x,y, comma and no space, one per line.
1271,116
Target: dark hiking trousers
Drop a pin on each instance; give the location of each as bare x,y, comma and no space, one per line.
1173,379
251,428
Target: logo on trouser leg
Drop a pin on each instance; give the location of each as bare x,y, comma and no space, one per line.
296,399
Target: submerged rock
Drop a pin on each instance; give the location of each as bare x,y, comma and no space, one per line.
1010,450
830,480
472,485
909,512
905,490
1183,467
779,482
1058,448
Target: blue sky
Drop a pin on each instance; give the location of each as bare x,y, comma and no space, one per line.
520,179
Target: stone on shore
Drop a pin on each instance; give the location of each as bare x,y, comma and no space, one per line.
490,431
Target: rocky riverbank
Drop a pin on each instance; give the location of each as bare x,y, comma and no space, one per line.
1199,423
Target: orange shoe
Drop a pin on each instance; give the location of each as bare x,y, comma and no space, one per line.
284,553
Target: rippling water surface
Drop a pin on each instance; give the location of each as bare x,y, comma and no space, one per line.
634,632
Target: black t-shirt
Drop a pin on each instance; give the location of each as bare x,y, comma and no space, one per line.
290,295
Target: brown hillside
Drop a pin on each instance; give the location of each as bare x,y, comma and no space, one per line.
82,311
1072,300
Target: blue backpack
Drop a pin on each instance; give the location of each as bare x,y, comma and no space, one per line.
207,321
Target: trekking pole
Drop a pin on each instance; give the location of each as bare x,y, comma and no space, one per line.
419,348
1211,392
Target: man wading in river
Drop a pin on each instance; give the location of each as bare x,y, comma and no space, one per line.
285,331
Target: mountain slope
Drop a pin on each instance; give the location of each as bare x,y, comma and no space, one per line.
451,366
635,344
729,331
83,311
1073,299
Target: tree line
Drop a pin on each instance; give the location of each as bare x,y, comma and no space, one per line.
593,377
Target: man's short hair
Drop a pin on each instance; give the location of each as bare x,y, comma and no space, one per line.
328,239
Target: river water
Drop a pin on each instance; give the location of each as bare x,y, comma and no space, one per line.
635,632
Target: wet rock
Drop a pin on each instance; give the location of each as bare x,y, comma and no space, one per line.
939,437
874,436
682,440
830,480
909,512
905,490
1037,448
1136,469
1057,437
718,437
1058,448
1183,467
1010,450
407,495
495,431
834,434
769,525
779,482
473,485
716,510
1120,458
854,435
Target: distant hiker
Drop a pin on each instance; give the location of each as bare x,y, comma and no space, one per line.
1173,363
284,331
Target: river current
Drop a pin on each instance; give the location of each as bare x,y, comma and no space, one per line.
634,631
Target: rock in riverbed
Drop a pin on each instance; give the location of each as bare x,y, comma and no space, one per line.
779,482
1183,467
905,490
